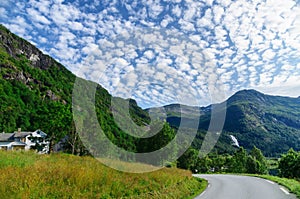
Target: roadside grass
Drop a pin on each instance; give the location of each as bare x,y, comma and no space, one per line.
291,184
29,175
203,186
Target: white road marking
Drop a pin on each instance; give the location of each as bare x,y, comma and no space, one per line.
202,194
270,182
284,191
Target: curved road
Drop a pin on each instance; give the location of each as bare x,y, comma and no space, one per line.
241,187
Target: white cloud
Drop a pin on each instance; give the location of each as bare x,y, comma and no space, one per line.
3,12
43,39
168,19
149,54
37,17
268,55
218,14
154,8
177,11
239,44
288,67
74,25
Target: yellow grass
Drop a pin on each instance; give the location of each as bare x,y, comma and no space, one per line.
28,175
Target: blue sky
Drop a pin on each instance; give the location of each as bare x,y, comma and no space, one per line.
162,51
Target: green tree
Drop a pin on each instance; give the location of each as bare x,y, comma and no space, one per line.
252,165
218,163
238,161
157,142
289,164
189,160
204,164
256,157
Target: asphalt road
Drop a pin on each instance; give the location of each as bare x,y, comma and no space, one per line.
242,187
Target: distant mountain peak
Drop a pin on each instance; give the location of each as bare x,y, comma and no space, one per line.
249,91
249,95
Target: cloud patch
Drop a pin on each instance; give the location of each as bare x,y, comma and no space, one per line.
160,51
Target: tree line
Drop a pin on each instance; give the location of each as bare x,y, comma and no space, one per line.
240,162
289,165
253,162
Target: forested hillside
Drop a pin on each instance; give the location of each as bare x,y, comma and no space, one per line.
36,93
269,122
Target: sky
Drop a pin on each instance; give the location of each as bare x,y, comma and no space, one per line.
168,51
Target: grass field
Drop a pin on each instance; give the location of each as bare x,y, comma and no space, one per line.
29,175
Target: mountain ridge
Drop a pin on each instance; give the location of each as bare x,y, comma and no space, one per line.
36,93
269,122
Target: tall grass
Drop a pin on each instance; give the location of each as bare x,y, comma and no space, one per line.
29,175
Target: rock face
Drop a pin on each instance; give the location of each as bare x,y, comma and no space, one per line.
16,47
52,95
23,62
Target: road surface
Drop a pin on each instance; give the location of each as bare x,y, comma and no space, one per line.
242,187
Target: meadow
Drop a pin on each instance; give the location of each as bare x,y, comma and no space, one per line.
30,175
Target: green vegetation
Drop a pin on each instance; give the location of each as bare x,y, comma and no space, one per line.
270,123
29,175
289,165
38,95
239,162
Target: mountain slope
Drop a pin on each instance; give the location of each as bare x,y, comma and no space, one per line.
272,123
30,83
36,93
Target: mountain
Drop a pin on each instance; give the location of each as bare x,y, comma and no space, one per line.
271,123
36,93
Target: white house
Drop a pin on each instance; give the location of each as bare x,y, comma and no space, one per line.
25,141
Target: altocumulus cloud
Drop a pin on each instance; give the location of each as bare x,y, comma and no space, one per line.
165,51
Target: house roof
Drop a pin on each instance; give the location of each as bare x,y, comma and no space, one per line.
4,137
21,134
41,133
24,134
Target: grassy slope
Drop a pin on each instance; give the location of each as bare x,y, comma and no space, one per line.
28,175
